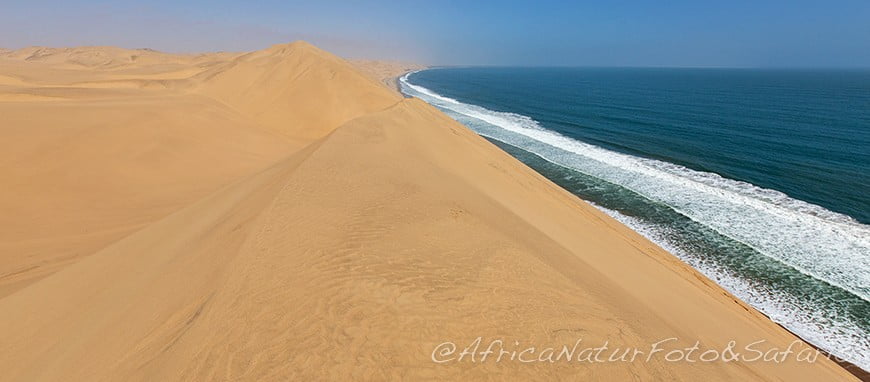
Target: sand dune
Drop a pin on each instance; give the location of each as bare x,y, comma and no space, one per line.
385,71
324,90
104,57
278,215
86,165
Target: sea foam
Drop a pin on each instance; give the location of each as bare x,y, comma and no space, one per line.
819,243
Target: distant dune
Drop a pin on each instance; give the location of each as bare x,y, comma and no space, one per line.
386,71
281,214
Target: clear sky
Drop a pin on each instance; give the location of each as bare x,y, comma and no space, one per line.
723,33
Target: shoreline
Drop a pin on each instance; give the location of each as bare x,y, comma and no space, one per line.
285,215
386,72
858,372
397,83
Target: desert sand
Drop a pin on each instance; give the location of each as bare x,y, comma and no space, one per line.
282,214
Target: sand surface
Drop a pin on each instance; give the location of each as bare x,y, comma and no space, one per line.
282,214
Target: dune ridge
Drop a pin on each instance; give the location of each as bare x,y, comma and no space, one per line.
279,215
262,83
104,57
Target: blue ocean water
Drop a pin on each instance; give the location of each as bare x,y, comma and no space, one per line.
760,179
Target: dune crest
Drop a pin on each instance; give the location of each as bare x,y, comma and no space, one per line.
295,89
279,215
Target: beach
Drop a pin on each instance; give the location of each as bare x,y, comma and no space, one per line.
287,214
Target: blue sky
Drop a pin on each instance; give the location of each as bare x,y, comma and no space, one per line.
732,33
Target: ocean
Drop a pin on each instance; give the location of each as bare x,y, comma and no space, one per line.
758,178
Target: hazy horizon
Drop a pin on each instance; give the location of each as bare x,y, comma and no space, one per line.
741,34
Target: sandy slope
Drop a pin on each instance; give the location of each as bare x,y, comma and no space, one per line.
345,233
86,158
